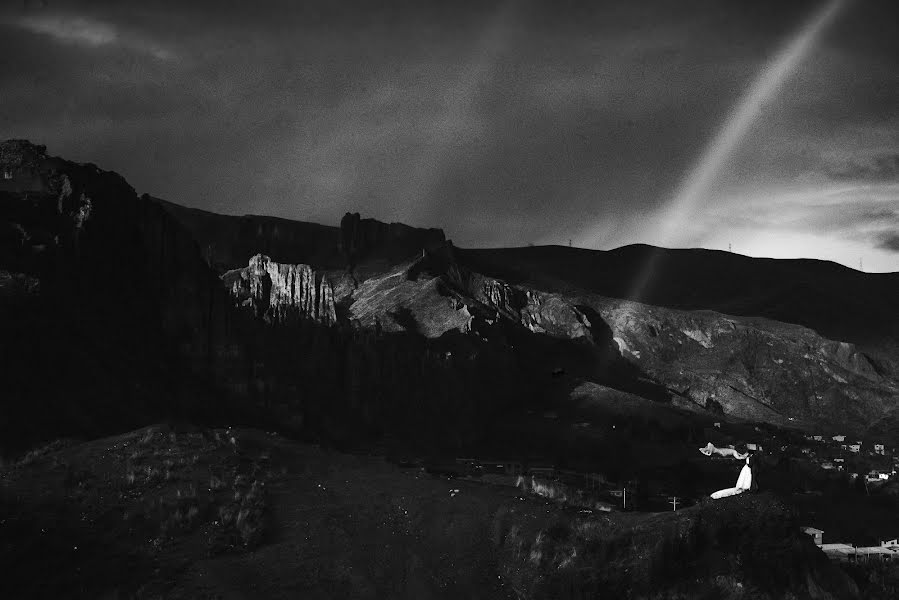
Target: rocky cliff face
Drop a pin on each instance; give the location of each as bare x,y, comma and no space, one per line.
124,310
538,311
282,294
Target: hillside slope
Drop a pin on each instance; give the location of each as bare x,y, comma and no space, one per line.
753,368
161,512
839,303
391,330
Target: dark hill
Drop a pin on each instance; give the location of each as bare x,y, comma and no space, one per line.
228,242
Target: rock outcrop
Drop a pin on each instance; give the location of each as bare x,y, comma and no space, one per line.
21,165
538,311
282,294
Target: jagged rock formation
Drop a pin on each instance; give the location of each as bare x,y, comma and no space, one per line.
539,312
281,293
402,300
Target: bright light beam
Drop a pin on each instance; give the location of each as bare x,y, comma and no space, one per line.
764,89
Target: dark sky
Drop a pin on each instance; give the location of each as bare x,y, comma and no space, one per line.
504,123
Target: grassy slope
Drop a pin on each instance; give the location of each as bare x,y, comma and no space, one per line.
177,514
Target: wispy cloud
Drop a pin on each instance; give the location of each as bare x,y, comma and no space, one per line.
839,222
889,241
89,32
877,167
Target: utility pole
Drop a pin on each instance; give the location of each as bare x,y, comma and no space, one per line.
730,247
673,501
569,243
861,266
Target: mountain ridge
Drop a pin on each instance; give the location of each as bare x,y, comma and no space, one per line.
514,326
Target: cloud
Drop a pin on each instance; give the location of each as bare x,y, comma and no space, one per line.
71,29
89,32
889,241
840,222
878,167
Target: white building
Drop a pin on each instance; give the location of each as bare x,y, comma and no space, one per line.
817,534
845,552
878,449
839,438
855,448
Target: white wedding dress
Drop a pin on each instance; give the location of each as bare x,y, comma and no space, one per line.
744,481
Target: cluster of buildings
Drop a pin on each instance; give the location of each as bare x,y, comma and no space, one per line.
887,550
831,454
856,447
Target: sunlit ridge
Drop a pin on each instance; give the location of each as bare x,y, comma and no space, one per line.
691,191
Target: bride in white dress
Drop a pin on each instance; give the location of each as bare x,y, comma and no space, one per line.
744,482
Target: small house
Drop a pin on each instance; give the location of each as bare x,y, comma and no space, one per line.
839,438
878,449
875,475
816,534
856,448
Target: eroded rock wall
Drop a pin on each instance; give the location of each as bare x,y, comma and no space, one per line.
282,293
